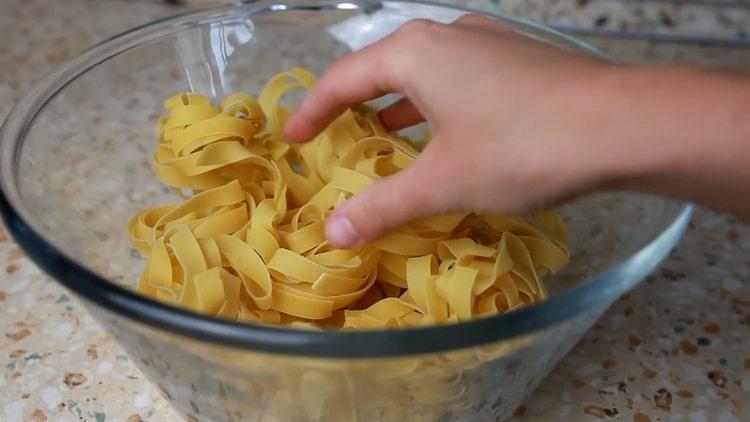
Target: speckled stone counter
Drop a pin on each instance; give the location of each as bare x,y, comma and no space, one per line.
675,348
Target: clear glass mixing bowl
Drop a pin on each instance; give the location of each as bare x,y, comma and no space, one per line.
74,165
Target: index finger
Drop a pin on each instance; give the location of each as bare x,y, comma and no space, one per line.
358,77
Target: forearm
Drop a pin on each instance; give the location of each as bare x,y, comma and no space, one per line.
681,133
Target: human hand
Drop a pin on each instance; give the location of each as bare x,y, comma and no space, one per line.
517,125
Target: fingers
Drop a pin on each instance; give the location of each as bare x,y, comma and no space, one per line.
378,69
356,78
399,115
387,204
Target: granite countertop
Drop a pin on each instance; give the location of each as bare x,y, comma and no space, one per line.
674,348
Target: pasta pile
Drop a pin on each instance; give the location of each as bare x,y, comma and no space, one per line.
248,242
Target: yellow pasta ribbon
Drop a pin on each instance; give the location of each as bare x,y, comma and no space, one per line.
247,242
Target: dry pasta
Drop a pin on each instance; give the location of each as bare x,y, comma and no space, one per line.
247,242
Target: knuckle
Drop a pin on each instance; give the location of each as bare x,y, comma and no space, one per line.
325,88
370,219
385,69
417,28
474,19
441,191
325,93
336,66
482,21
409,51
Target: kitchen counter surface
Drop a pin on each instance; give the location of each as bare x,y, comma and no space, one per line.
675,348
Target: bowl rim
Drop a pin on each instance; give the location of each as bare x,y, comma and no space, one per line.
591,296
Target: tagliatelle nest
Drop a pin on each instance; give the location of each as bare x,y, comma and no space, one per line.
248,243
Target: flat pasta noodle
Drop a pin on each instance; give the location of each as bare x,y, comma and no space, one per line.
247,242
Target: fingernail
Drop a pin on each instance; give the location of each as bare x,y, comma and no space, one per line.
340,232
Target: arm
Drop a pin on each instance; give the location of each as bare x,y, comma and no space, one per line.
687,131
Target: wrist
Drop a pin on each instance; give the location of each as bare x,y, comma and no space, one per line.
627,124
642,118
606,149
674,131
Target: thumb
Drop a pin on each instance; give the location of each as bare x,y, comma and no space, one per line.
385,205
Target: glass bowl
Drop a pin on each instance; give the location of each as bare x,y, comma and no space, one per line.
74,165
